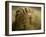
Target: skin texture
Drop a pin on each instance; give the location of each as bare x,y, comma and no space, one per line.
26,19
